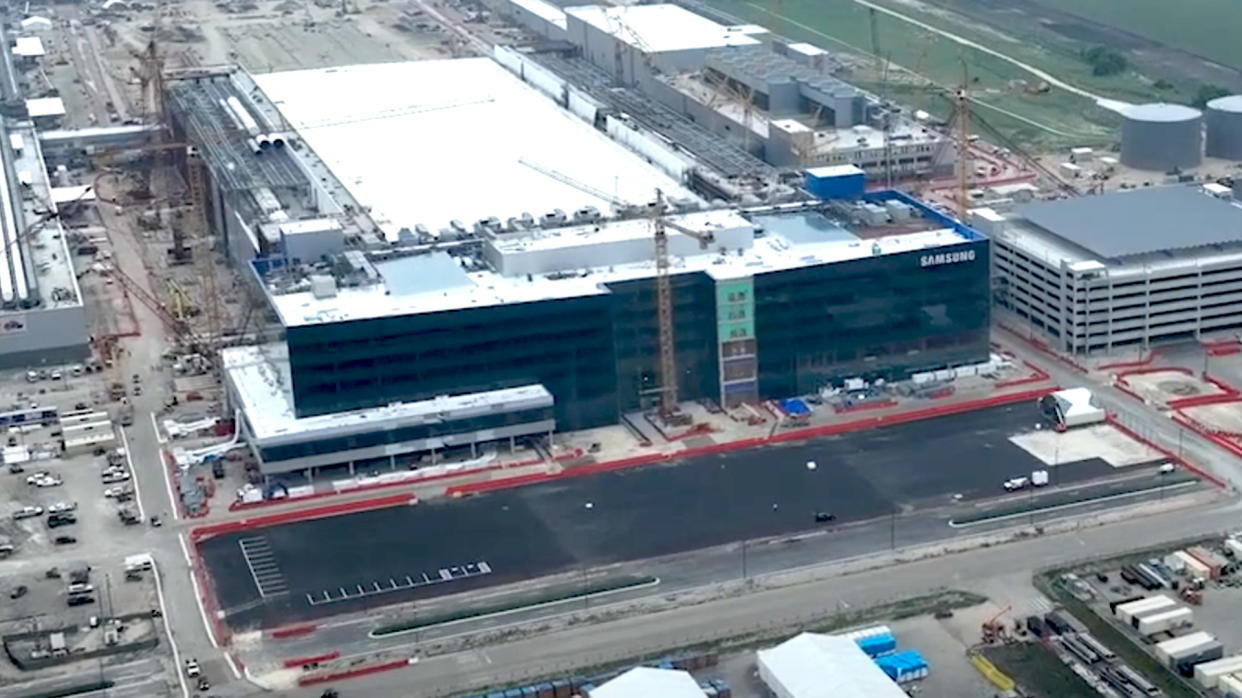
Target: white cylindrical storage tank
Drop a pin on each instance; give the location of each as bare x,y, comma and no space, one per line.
1224,128
1161,137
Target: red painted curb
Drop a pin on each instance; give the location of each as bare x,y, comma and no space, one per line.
391,500
303,661
293,631
1040,375
1112,419
352,673
1182,403
1229,389
795,435
1155,369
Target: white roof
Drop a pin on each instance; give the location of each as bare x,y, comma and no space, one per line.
835,171
454,147
1178,644
659,28
261,381
646,682
807,49
544,10
45,106
16,142
824,666
36,23
1077,401
29,46
75,192
459,289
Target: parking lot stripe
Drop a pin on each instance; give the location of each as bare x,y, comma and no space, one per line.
264,570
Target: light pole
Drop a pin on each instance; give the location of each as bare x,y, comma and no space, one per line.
586,586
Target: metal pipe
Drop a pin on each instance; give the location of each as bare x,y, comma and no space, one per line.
254,146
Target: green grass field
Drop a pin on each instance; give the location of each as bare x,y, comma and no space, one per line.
1051,120
1210,28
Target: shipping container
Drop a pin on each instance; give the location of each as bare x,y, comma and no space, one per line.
1128,575
1112,605
904,667
1148,571
835,182
1207,674
1208,558
1165,621
545,690
1174,562
1194,568
1170,651
1035,625
560,688
1126,611
1060,621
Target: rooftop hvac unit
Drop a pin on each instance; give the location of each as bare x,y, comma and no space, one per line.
554,218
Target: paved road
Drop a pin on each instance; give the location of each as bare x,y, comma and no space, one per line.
1001,572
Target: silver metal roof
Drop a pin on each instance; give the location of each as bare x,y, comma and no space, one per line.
1161,111
1231,103
1140,222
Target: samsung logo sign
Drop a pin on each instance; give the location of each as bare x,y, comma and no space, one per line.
935,260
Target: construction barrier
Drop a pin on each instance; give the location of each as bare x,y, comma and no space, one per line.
314,659
352,673
995,676
1215,437
1182,403
289,631
863,407
792,435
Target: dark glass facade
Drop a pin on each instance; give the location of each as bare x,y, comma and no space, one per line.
416,432
878,317
886,316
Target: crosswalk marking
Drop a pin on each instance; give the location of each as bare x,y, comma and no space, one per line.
264,569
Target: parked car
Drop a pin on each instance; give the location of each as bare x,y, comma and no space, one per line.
16,468
80,600
27,512
49,481
113,478
58,520
61,507
33,477
64,540
18,591
1014,484
120,492
824,517
192,669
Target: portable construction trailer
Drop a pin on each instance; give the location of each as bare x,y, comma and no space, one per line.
1230,686
1170,651
1164,621
1126,611
1208,674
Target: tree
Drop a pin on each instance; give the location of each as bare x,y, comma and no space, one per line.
1207,93
1105,61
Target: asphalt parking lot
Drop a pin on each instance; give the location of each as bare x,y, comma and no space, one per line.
277,575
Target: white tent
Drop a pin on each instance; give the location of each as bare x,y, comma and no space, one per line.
646,682
823,666
36,24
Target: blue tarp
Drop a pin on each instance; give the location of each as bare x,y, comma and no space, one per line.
877,645
795,407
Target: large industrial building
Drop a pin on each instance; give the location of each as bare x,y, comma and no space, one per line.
473,262
1125,269
777,101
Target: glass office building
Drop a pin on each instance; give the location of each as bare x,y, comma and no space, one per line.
739,337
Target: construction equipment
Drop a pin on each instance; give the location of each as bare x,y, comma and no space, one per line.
994,630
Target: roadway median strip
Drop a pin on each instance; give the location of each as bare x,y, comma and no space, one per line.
558,593
1067,500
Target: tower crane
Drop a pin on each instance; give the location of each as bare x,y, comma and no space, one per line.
656,212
